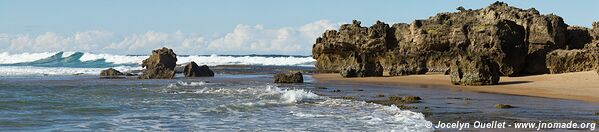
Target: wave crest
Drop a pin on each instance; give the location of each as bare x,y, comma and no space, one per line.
73,60
90,60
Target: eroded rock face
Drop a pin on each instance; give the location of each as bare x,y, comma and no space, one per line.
474,71
291,77
595,31
193,70
160,65
563,61
517,40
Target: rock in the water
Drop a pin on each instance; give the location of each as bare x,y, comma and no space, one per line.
291,77
503,106
160,65
474,71
111,73
563,61
193,70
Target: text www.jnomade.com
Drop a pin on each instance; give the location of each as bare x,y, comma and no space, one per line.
519,125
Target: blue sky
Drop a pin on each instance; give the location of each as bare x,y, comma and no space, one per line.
219,26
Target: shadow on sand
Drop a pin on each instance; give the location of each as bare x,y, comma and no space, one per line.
513,82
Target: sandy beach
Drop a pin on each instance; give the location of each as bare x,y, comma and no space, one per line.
582,86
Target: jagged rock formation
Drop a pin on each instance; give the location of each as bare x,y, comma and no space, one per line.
160,65
291,77
517,40
582,57
475,70
193,70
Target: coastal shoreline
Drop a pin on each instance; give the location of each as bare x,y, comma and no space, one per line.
581,86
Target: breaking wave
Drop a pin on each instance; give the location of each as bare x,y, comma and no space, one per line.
89,60
303,104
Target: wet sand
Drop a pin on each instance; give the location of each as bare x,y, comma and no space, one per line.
582,86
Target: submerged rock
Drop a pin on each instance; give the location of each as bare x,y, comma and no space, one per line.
291,77
111,73
193,70
160,65
503,106
399,101
474,71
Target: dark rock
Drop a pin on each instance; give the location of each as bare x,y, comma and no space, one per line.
503,106
320,87
193,70
398,101
563,61
349,72
348,97
411,99
291,77
578,37
474,71
160,65
111,73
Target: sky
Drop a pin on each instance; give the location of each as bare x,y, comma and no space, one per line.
199,27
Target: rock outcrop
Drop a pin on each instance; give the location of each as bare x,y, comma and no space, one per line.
517,40
160,65
291,77
474,71
111,73
563,61
193,70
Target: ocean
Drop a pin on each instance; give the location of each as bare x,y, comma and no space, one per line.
61,92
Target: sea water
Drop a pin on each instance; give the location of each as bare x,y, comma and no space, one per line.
60,101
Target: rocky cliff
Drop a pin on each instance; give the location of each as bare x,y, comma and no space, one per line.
514,39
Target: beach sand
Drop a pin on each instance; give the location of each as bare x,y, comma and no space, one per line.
582,86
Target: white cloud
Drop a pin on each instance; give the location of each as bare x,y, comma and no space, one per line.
244,39
50,41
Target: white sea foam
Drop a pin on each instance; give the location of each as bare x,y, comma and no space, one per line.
213,60
373,116
6,58
376,114
247,60
292,95
40,71
123,62
191,83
